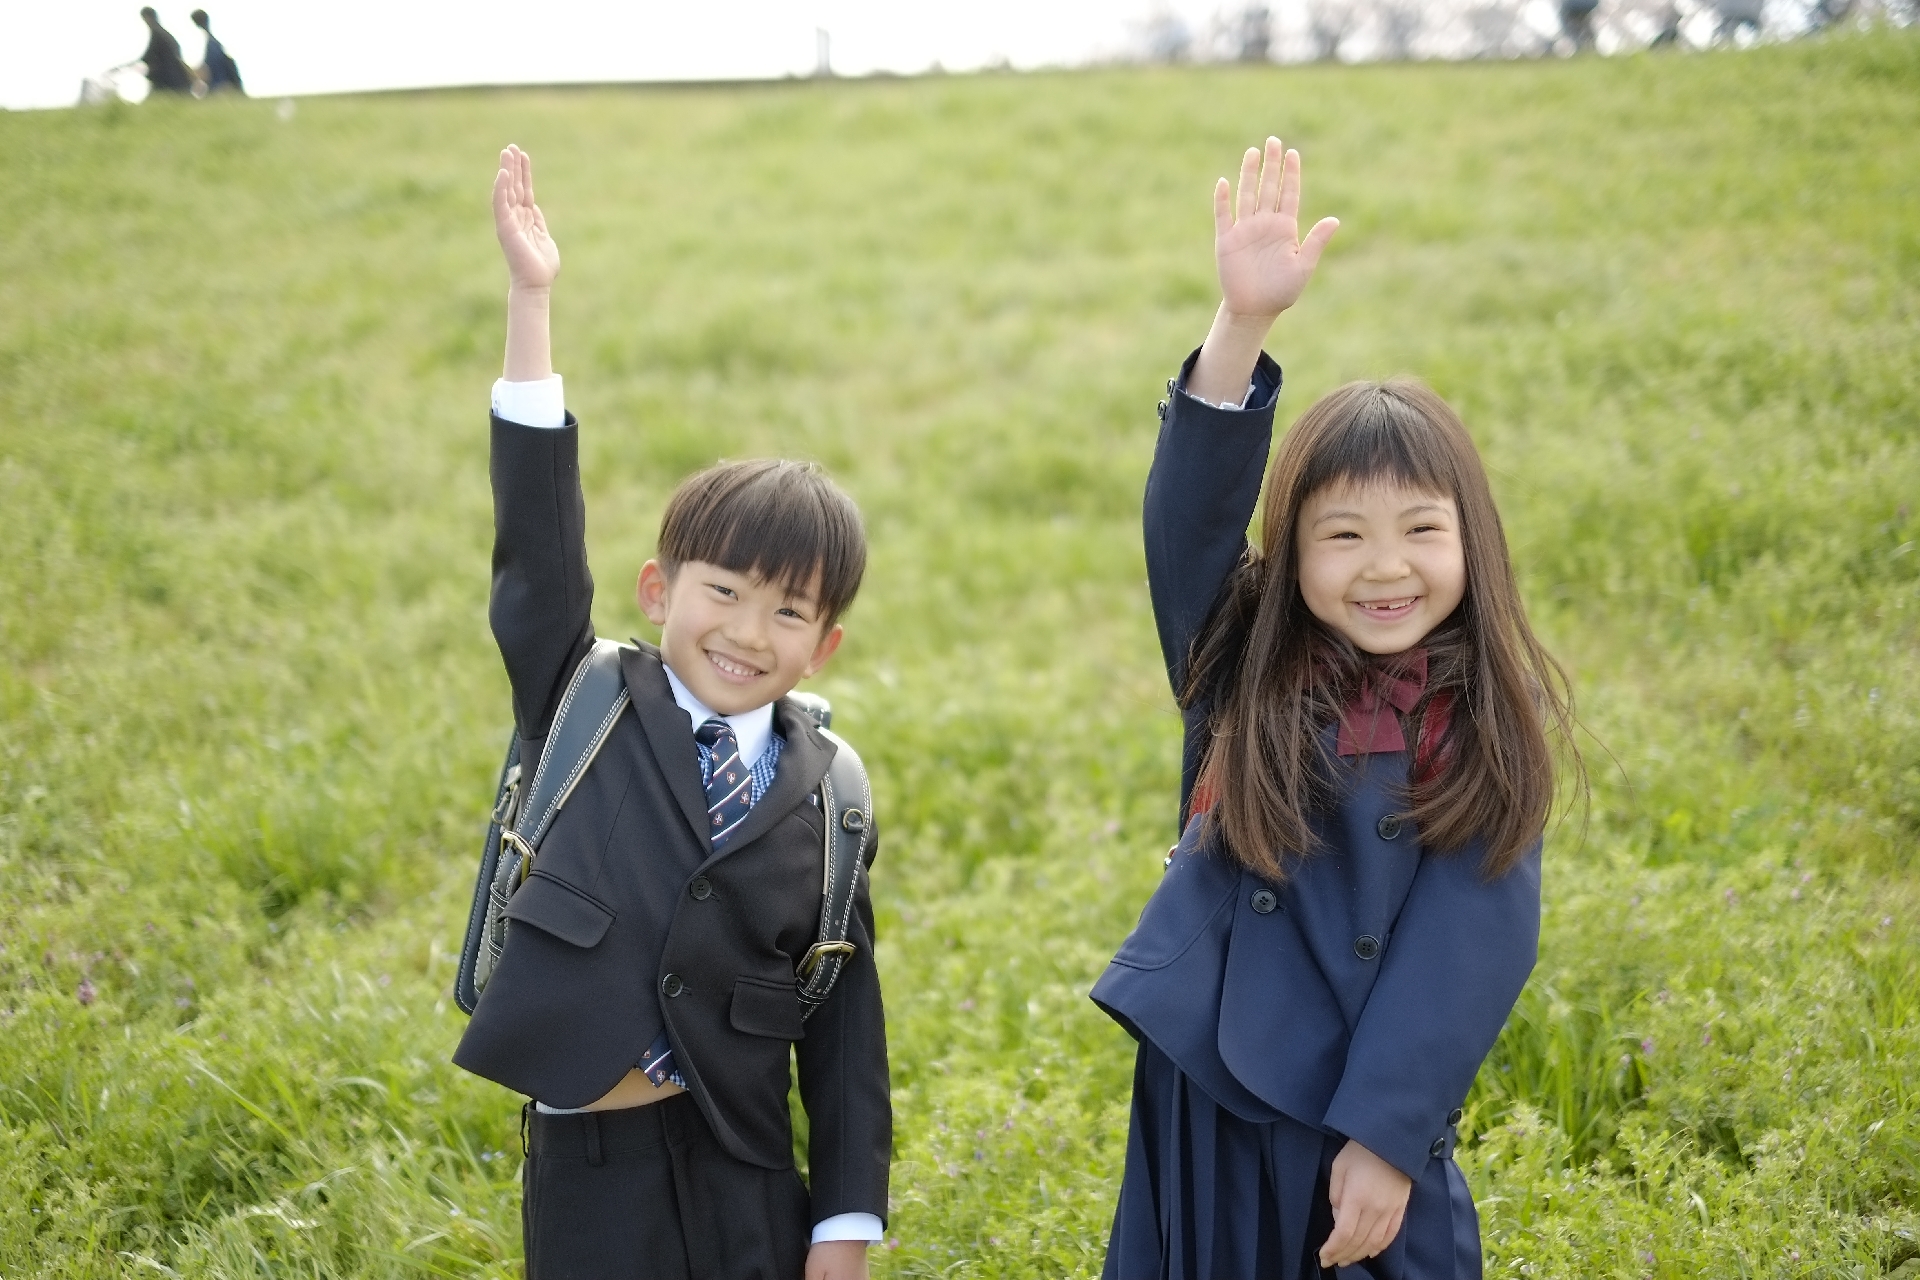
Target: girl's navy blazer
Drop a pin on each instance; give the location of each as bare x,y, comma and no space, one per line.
1361,996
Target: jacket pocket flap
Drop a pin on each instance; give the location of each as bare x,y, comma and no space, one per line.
554,907
762,1008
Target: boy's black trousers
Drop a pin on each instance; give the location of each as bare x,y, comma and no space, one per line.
646,1193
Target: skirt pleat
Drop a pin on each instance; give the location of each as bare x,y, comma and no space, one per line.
1208,1195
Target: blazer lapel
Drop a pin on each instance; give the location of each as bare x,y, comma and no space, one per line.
803,762
668,732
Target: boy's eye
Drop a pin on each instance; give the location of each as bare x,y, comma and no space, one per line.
728,592
790,613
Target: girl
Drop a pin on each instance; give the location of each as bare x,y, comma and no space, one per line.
1354,904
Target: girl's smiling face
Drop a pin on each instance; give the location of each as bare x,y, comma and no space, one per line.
1380,563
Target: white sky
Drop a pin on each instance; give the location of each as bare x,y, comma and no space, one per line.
49,46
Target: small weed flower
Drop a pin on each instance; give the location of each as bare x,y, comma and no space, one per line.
1646,1047
85,993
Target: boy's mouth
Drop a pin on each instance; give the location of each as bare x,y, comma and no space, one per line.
1387,610
733,668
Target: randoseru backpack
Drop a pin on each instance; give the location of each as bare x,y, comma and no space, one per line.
524,810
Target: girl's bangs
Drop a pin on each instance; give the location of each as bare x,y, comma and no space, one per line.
1381,440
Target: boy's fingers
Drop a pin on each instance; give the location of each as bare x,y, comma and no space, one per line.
1222,208
1249,182
1290,185
526,175
1270,176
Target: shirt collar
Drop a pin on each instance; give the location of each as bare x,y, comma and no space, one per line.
753,729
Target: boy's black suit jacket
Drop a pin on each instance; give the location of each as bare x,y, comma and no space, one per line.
628,902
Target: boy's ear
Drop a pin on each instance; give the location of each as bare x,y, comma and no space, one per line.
824,650
651,591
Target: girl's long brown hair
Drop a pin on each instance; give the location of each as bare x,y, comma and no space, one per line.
1273,676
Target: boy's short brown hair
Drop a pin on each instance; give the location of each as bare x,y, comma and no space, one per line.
783,522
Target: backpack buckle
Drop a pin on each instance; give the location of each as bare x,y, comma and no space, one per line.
819,952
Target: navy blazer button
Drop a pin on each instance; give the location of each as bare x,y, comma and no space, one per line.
671,986
1264,901
701,888
1438,1149
1366,946
1389,826
1161,408
1453,1116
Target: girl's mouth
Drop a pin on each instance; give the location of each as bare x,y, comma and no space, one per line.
1387,610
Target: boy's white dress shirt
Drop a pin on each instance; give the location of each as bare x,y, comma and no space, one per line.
543,404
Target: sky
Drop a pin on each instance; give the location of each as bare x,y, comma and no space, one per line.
287,49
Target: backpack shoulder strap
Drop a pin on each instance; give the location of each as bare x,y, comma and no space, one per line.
523,810
846,804
595,697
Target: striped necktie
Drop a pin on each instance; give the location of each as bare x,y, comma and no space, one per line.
729,797
729,782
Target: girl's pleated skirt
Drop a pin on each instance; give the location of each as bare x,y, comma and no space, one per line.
1209,1196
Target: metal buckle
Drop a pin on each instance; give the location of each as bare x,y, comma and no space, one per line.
526,854
819,951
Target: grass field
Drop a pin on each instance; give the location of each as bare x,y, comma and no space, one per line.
249,707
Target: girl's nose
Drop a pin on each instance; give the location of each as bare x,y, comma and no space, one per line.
1388,567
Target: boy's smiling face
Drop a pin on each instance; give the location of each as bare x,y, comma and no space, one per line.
735,640
1381,564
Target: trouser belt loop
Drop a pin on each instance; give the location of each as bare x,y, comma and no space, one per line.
591,1122
526,1120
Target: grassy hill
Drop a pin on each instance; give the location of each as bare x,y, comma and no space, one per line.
249,707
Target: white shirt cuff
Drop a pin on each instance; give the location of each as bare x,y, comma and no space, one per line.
1223,404
531,404
849,1226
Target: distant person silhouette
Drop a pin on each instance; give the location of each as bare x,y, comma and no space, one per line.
221,71
166,69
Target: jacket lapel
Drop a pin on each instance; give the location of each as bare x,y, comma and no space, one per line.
668,732
803,762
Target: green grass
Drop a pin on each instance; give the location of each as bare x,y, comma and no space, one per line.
249,707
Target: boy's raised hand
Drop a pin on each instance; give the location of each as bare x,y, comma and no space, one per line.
1264,264
533,259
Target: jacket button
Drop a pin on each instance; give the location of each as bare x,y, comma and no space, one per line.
1263,901
1453,1116
1366,946
1161,408
1438,1149
701,888
1389,826
671,986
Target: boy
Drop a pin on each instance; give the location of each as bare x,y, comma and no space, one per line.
646,998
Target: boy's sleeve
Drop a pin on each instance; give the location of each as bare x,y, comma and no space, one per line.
1201,492
842,1062
1454,965
540,403
542,596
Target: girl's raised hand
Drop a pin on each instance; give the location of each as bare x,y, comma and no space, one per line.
533,259
1264,264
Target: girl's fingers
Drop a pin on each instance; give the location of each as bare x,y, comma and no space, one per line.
1222,208
1270,176
1316,242
526,177
1290,185
1249,183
